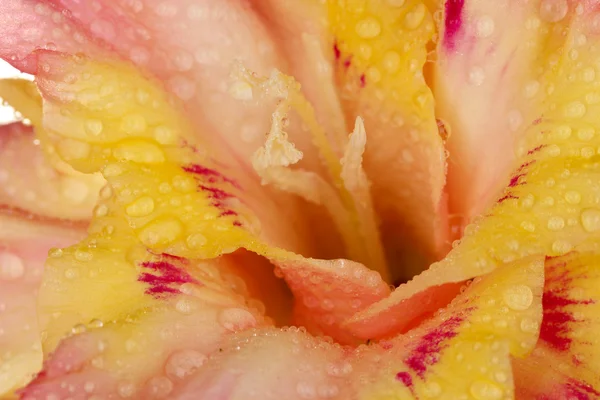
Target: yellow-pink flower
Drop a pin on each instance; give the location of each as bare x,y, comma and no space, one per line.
279,199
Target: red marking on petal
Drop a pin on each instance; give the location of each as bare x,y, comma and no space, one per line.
163,276
506,197
452,22
581,390
427,351
363,80
211,175
557,320
336,51
514,181
215,193
405,378
535,150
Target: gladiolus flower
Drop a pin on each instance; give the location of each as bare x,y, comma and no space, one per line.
279,199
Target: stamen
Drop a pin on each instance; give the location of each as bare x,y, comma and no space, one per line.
347,198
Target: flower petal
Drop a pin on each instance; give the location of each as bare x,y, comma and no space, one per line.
28,25
380,49
32,184
166,206
567,347
464,350
549,204
24,244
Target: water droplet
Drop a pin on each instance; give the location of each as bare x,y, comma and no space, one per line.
483,390
101,210
587,152
531,89
235,319
161,231
55,253
96,323
11,266
529,325
518,297
528,226
368,28
139,55
133,124
339,369
141,207
82,255
79,328
89,387
391,61
575,109
556,223
164,188
306,390
93,127
560,247
160,386
573,197
485,26
139,151
74,190
515,119
71,273
164,135
103,29
590,219
553,150
196,240
476,76
184,306
553,10
126,389
183,61
184,363
328,391
183,87
183,184
415,17
106,192
588,74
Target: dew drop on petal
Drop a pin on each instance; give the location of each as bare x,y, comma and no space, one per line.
235,319
556,223
141,207
553,10
184,363
573,197
485,26
11,266
368,28
518,297
590,219
483,390
159,386
415,17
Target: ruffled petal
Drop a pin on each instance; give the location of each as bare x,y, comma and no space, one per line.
380,50
463,352
24,245
159,238
32,184
567,350
549,205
